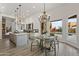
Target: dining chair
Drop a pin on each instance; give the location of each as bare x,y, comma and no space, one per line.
50,46
57,44
34,40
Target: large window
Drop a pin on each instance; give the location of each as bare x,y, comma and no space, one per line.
72,25
56,26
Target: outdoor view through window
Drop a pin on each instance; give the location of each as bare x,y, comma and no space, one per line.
72,25
56,26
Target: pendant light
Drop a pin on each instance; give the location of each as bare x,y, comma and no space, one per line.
44,20
19,16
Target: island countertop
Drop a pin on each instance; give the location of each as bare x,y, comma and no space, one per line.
20,39
21,33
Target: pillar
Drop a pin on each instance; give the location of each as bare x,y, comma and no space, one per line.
48,26
65,29
77,30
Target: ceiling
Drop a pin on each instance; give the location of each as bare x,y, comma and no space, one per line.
27,8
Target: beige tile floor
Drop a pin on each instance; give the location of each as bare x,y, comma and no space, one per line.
64,50
67,50
5,44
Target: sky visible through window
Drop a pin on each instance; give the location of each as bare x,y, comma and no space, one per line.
56,24
72,20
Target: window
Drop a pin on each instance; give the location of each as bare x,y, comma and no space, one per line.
72,25
56,26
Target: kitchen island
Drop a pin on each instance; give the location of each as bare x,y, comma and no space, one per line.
19,39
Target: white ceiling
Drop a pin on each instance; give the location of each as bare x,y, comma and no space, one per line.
28,8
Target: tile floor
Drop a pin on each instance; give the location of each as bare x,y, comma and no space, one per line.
64,49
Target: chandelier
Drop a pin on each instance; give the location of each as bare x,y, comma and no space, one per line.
19,17
44,16
19,14
44,19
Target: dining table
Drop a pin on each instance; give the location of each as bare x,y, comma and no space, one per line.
44,40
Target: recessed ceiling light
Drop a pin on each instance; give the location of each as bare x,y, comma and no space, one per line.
34,7
2,7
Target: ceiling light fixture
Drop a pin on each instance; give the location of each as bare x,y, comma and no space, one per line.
44,18
2,7
19,16
34,7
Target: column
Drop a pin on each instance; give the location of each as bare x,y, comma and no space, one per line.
77,30
48,27
64,29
